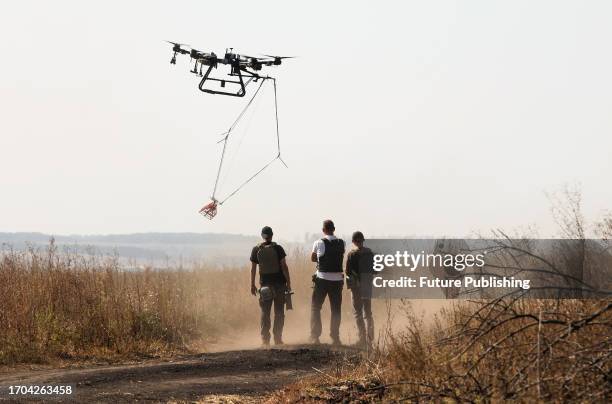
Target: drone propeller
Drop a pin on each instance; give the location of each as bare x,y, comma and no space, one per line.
177,44
277,59
280,57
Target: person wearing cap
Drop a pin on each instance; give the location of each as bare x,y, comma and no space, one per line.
359,273
274,282
328,253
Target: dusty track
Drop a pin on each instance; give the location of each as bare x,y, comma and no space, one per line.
249,374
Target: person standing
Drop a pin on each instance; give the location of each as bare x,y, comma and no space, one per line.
359,270
274,282
328,253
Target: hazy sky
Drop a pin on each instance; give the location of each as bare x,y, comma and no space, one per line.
405,118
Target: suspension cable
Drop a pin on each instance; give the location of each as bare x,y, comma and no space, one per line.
277,132
224,140
227,134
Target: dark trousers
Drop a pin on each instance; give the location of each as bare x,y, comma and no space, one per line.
323,288
279,314
362,310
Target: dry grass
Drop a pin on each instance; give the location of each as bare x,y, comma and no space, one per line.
63,306
66,306
549,350
481,352
57,305
503,349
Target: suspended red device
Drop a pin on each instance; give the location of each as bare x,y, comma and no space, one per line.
209,210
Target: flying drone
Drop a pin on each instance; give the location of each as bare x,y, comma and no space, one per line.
243,70
241,67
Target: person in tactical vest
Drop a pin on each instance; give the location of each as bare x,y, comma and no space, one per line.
359,274
274,283
328,253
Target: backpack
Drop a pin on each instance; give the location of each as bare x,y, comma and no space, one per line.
267,257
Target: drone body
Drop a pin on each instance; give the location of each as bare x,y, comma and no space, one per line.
243,69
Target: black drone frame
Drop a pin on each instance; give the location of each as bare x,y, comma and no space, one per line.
243,68
236,72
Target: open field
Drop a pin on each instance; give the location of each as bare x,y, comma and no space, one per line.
67,307
115,331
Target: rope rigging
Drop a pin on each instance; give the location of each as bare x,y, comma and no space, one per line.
210,210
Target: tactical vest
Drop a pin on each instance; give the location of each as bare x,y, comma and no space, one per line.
267,257
365,261
331,260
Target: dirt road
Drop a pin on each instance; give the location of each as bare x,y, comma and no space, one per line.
249,374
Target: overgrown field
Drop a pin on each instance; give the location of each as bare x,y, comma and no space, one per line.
525,351
71,307
57,305
508,348
65,306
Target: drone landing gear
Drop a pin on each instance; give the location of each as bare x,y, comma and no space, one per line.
209,210
240,93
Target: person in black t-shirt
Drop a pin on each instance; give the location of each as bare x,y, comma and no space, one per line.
274,281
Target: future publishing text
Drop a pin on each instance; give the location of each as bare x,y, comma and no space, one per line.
449,263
